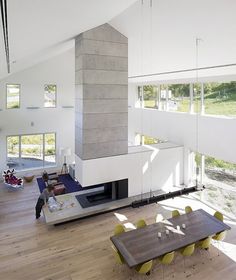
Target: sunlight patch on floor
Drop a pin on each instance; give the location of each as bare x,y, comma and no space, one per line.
121,217
129,226
227,249
159,218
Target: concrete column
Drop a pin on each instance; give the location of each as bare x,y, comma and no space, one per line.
101,82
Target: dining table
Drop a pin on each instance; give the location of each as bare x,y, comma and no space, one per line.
152,241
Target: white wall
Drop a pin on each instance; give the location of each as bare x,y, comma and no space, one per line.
58,70
147,168
210,135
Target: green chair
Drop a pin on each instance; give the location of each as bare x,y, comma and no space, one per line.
141,223
219,237
187,252
119,229
166,260
188,209
219,216
175,213
144,268
117,255
205,245
119,260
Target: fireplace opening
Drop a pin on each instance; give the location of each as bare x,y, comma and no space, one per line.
111,191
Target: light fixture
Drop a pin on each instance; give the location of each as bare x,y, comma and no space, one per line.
65,152
3,6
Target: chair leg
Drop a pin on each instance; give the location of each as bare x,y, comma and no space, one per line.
184,264
163,272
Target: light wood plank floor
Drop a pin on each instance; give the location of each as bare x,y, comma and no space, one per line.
29,250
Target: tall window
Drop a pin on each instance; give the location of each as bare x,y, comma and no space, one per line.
31,151
13,96
50,92
219,178
220,182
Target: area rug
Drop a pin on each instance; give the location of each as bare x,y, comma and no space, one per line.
69,183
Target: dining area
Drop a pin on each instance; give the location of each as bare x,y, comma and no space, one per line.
169,246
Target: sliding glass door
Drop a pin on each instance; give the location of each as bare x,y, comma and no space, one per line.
31,151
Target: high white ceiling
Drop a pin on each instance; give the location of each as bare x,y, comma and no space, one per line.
40,28
162,38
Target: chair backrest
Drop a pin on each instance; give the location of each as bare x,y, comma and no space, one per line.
167,258
188,250
117,255
141,223
175,213
118,229
219,216
145,267
206,243
220,236
188,209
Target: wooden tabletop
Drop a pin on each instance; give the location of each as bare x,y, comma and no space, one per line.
141,245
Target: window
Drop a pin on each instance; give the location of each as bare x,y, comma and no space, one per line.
150,96
197,98
50,92
31,151
179,98
49,149
164,95
13,96
13,150
220,182
220,98
219,178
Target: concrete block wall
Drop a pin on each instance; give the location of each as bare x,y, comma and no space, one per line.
101,92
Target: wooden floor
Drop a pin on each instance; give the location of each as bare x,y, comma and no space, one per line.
81,249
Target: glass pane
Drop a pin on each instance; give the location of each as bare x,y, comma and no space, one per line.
139,99
150,97
179,99
197,98
13,96
50,149
163,93
50,95
195,168
13,160
220,182
220,98
32,151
